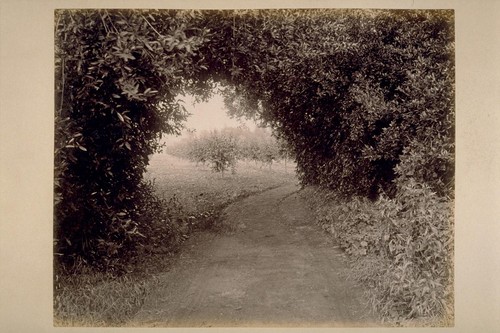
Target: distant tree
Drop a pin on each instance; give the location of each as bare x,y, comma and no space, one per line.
217,148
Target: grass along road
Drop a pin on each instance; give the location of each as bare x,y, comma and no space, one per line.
198,188
270,266
91,298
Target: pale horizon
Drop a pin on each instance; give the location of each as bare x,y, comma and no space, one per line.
207,116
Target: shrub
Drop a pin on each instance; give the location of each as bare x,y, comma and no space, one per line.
354,92
403,249
222,149
218,149
112,105
419,279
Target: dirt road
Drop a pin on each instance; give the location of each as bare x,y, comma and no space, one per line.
271,267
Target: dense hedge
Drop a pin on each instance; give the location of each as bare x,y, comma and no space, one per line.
355,92
116,85
364,98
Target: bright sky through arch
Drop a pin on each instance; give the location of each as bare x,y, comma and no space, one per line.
210,115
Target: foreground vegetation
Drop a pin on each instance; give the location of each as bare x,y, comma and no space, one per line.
402,250
192,198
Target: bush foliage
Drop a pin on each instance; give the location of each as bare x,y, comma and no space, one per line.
219,149
222,149
116,82
403,248
355,92
363,98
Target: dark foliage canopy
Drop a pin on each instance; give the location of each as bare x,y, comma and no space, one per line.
365,99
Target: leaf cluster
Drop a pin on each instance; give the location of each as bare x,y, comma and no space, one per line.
117,73
403,248
354,92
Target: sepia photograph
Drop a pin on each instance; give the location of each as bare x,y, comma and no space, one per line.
277,165
313,185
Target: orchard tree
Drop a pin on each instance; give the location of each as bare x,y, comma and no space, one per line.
221,151
217,148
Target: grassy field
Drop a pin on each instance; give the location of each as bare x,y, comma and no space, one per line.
92,298
199,189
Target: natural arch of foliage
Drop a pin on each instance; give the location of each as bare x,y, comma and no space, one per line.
364,98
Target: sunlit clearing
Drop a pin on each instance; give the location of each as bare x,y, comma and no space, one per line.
207,116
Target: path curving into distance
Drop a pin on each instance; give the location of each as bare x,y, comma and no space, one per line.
272,267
